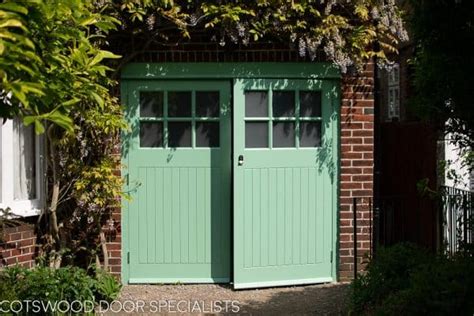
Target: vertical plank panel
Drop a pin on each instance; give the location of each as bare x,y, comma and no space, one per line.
256,218
296,256
184,214
264,218
192,220
247,213
216,215
288,213
304,215
201,220
151,213
312,197
175,214
207,214
319,216
272,217
167,211
281,220
159,220
142,214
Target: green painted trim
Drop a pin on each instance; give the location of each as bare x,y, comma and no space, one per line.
125,267
282,283
230,70
336,102
174,281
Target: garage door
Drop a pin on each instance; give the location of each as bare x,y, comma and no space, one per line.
178,160
284,182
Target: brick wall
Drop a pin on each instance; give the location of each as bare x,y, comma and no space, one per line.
357,160
17,246
114,239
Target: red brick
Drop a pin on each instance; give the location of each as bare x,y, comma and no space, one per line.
362,148
362,133
362,163
14,236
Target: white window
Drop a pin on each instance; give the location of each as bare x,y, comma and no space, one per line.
20,168
394,92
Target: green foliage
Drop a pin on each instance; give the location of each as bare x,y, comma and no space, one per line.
7,288
387,273
53,75
406,280
107,286
50,59
54,285
344,32
443,65
45,284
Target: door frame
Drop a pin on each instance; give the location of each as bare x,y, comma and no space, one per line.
232,71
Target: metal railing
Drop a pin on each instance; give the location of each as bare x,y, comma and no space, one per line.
458,211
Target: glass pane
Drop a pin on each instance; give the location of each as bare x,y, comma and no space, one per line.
283,134
151,134
207,103
256,104
179,134
24,161
310,134
207,134
283,103
151,104
179,104
256,134
310,103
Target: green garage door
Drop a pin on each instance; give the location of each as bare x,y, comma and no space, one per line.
177,157
285,137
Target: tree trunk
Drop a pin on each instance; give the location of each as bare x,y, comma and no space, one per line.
53,219
103,244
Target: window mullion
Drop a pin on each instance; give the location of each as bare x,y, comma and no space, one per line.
297,118
193,119
165,119
270,118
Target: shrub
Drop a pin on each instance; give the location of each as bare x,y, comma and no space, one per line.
7,289
387,273
440,287
45,284
54,285
107,286
407,280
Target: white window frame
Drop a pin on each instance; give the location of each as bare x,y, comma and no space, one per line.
393,92
22,208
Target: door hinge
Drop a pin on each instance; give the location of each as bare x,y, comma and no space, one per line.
128,257
331,256
126,180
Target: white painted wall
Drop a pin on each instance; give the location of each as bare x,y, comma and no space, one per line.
453,157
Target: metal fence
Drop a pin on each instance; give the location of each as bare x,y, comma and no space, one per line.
458,211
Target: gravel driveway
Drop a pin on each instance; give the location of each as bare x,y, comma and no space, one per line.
327,299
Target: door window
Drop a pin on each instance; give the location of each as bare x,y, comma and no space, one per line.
171,119
292,119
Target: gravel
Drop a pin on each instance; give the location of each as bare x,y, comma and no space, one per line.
195,299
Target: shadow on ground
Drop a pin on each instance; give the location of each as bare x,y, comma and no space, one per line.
304,300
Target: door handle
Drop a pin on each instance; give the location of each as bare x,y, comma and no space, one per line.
240,161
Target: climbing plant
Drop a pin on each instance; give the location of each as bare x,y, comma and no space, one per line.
347,33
